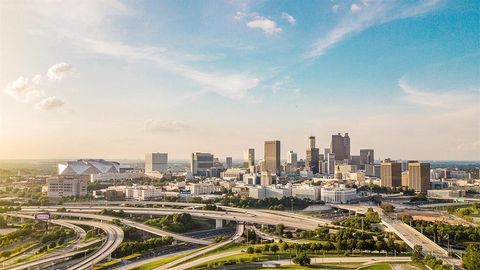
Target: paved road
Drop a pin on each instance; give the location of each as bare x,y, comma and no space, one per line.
114,239
137,225
408,234
171,265
267,236
367,260
232,214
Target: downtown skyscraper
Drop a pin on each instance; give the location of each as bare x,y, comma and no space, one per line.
272,156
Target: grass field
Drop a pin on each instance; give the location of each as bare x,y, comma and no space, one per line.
160,262
380,266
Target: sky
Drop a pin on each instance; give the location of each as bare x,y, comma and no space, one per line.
117,79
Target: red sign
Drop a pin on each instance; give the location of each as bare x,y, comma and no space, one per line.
42,216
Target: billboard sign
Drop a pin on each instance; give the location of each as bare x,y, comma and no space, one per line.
42,216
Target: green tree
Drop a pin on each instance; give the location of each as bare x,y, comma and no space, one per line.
302,259
274,248
471,259
279,229
417,253
250,250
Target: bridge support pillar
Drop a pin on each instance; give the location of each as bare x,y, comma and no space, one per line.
218,223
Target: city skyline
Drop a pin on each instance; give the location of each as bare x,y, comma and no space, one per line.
400,77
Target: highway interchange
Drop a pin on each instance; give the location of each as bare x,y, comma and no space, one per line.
89,215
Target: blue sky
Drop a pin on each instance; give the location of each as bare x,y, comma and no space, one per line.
116,79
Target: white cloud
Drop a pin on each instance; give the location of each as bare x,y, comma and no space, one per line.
155,126
355,8
372,13
256,21
24,89
290,19
231,85
27,90
436,99
58,71
50,103
336,7
266,25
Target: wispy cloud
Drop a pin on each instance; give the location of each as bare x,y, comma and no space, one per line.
285,86
438,99
231,85
366,14
156,126
289,18
77,26
50,103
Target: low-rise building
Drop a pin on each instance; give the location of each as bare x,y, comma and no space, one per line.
200,188
234,174
278,192
446,193
143,193
60,187
338,194
307,192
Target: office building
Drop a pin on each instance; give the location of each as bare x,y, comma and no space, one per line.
312,155
251,179
156,162
367,156
330,163
249,158
61,187
419,176
228,162
292,159
340,146
354,160
267,179
272,156
405,179
201,164
390,173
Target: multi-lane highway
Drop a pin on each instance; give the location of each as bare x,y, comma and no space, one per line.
232,214
137,225
114,238
408,234
180,263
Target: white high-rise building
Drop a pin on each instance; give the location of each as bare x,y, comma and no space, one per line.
292,158
156,162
